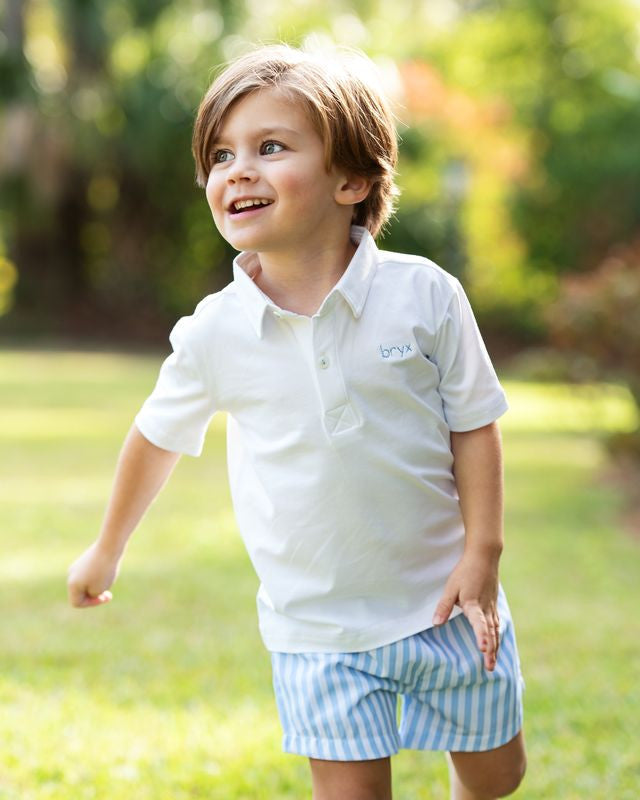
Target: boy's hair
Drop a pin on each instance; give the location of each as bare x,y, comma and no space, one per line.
344,104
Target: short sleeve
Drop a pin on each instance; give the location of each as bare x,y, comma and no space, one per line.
177,413
471,393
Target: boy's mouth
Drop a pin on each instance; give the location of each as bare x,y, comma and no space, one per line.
249,204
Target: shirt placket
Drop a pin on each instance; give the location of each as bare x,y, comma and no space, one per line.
339,414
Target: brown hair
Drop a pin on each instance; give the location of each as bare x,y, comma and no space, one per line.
345,106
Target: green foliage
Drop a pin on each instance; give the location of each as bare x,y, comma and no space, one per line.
115,210
596,316
518,162
571,78
165,693
595,320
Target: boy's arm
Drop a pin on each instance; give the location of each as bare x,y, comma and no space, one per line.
141,472
473,584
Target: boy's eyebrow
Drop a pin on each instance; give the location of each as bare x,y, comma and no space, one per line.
278,129
270,130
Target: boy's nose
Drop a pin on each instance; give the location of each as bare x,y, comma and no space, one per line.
242,169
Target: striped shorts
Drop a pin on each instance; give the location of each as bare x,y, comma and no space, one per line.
344,706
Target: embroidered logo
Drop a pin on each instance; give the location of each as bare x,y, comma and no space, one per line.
395,351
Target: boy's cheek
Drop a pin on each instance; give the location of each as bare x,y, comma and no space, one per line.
210,191
213,204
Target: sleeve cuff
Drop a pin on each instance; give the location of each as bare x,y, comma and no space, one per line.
165,440
478,418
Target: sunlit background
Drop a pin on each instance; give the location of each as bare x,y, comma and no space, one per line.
519,126
519,167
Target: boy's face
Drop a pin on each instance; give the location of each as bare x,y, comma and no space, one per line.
268,150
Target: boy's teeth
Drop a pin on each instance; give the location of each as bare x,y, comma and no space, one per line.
246,203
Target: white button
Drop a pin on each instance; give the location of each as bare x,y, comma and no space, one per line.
324,362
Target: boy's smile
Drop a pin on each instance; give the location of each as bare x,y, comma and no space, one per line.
241,206
268,189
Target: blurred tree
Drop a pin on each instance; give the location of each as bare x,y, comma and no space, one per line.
107,224
519,161
570,72
597,316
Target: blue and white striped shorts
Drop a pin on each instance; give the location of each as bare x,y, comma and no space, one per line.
343,706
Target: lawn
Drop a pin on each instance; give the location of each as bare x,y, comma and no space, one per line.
165,694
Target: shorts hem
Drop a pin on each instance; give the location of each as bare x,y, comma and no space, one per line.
471,744
339,749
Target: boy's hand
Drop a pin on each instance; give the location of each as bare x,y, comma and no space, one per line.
473,585
90,576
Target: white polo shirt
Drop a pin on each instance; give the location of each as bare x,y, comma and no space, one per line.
339,453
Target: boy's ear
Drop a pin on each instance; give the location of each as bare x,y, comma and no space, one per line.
352,189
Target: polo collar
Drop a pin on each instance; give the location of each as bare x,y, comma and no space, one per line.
354,284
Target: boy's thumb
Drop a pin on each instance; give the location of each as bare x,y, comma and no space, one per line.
443,609
97,600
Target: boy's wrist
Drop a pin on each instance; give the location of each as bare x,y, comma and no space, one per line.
109,548
485,550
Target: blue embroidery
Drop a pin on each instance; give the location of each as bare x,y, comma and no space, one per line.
387,352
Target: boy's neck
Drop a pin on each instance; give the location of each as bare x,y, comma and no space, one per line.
299,282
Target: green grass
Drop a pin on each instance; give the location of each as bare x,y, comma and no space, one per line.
165,693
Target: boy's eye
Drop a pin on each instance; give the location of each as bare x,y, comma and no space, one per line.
220,156
270,148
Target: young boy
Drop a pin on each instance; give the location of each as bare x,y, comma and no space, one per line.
363,453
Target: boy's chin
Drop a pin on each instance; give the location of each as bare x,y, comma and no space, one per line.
238,242
241,243
252,243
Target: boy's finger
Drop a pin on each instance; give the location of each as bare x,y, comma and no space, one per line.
493,640
496,628
491,653
478,621
98,600
84,600
76,595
